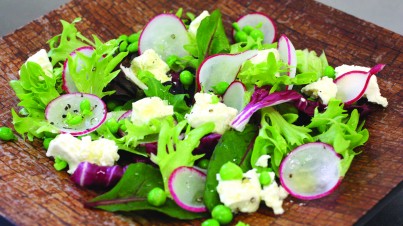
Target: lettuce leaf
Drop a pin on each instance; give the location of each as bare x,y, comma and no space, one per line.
277,137
69,40
35,90
174,152
91,74
308,61
336,127
268,73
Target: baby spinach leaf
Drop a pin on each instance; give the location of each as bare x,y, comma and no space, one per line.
233,146
130,194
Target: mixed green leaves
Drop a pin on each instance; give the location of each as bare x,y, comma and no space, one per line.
130,194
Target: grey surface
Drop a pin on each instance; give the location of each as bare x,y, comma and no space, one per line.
385,13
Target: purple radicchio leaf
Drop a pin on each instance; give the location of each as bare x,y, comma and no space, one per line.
261,98
92,175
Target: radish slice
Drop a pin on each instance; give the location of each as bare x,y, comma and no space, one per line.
288,55
186,185
125,115
165,34
221,68
58,108
311,171
68,83
352,85
234,96
268,27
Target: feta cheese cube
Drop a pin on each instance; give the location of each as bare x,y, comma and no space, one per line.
152,62
146,109
204,110
324,88
102,152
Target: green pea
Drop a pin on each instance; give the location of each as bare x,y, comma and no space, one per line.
241,36
123,46
157,197
186,78
133,47
222,214
46,142
59,164
329,72
85,105
112,125
248,29
6,134
134,37
73,120
257,34
220,88
210,222
122,38
265,178
203,163
231,171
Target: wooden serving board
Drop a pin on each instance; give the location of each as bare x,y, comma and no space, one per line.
33,193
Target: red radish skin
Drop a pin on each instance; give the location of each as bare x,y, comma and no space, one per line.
234,96
268,28
59,107
288,54
166,35
68,84
220,68
292,163
352,85
194,179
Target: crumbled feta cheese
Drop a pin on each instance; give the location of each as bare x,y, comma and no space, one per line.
324,88
262,161
150,108
152,62
273,196
240,195
205,110
41,58
372,93
194,25
102,152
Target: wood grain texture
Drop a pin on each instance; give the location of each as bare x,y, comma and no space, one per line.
33,193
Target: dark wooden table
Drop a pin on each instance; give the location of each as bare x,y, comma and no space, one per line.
33,193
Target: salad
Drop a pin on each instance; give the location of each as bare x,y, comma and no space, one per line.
180,119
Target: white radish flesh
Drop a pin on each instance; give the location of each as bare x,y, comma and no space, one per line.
352,85
288,55
234,96
166,35
186,185
220,68
311,171
68,83
268,27
57,110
